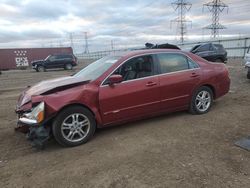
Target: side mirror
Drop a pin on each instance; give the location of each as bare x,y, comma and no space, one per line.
115,78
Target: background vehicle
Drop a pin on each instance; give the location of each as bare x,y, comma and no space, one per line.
211,52
247,62
118,89
66,61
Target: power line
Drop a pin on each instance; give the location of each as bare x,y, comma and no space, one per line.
215,7
183,7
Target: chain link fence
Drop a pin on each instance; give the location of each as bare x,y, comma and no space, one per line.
236,48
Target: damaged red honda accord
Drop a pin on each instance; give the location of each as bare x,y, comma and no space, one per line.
117,89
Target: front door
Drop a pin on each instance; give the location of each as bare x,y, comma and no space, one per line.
136,96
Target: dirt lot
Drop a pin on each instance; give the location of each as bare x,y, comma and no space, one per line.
176,150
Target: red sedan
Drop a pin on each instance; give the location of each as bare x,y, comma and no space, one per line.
117,89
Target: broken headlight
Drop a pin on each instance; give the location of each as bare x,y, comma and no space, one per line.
35,116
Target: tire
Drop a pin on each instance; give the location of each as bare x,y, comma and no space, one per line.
73,126
68,67
201,101
40,69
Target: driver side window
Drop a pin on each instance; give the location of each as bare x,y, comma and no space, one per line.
136,68
52,58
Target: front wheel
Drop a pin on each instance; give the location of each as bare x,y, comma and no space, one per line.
201,100
40,69
74,126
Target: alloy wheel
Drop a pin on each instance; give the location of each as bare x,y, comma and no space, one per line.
75,127
203,101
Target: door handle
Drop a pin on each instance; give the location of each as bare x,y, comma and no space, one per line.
151,84
194,75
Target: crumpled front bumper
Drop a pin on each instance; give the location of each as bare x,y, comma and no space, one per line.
38,134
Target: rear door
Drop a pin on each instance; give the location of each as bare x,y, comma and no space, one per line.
60,61
179,76
67,59
137,96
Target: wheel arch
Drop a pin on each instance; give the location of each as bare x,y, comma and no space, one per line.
94,112
212,88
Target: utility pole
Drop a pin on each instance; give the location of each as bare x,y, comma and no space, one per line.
183,7
86,51
215,7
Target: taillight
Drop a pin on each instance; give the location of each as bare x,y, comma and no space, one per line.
74,61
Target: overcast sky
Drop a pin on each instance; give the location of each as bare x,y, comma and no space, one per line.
128,23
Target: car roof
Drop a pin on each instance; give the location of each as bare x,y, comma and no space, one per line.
146,51
62,54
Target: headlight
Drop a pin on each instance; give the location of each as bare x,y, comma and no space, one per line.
35,116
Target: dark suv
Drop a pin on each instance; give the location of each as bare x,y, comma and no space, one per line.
211,52
66,61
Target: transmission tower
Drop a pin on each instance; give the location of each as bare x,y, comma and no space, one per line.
182,6
86,51
215,7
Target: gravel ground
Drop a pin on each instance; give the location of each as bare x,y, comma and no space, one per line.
175,150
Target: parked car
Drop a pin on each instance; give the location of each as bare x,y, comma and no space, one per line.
117,89
247,62
66,61
211,52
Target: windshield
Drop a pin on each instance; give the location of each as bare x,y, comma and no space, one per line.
194,48
96,69
47,57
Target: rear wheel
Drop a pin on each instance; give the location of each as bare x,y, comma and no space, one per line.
201,100
40,69
74,126
68,67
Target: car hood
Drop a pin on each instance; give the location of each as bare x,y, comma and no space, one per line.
50,86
